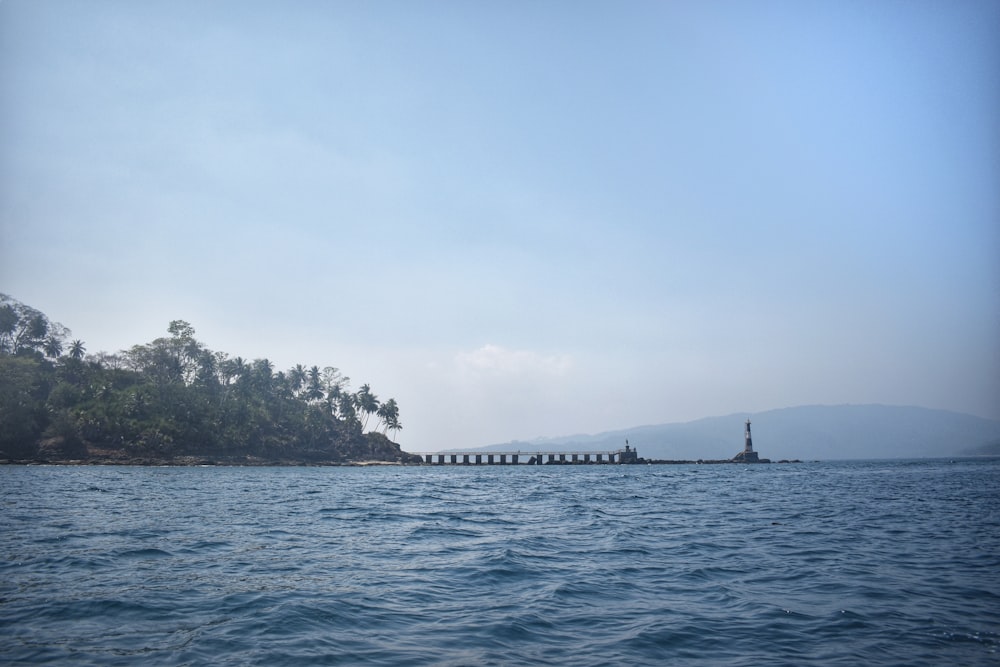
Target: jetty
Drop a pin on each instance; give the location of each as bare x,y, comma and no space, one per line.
616,456
608,456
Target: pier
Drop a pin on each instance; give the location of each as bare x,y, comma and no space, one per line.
617,456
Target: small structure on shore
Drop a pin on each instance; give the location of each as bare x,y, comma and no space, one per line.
748,455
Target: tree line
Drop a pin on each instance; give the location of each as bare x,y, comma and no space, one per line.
173,397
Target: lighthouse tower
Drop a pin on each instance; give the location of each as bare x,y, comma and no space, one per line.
748,455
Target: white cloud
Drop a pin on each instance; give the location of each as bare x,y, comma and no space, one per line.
497,361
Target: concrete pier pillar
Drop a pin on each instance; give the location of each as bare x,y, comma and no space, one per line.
626,455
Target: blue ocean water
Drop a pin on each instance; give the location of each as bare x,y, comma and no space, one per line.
833,563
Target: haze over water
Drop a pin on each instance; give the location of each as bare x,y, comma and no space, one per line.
521,219
840,563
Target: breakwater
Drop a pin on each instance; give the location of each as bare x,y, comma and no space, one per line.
626,455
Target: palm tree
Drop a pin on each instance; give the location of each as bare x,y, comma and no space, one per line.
263,371
297,378
239,369
53,347
345,404
284,385
389,415
207,373
76,349
367,402
314,390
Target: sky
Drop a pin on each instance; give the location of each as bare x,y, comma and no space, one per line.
521,219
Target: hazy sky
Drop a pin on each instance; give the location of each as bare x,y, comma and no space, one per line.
521,219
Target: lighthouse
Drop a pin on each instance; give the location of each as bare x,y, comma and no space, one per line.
748,455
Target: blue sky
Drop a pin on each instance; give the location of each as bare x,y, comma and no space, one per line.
521,219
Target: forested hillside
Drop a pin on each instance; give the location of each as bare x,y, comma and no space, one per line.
173,397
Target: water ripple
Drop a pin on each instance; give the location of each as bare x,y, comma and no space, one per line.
877,563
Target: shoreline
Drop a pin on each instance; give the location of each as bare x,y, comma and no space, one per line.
193,462
253,462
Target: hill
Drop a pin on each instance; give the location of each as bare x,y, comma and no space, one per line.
804,432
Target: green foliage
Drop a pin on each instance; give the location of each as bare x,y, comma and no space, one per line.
173,397
26,331
25,383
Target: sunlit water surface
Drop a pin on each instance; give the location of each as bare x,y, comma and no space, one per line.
839,563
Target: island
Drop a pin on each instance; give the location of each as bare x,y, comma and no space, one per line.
174,401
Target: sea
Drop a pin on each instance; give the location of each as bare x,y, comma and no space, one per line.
817,563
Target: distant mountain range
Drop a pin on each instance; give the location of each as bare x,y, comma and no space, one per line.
805,432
